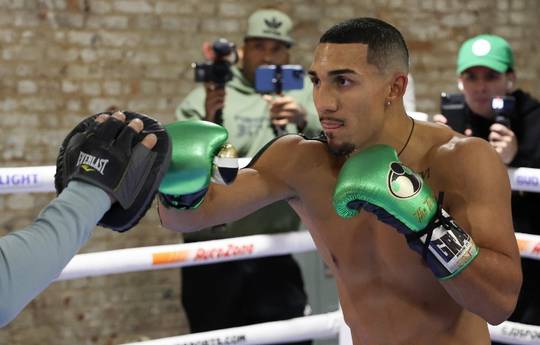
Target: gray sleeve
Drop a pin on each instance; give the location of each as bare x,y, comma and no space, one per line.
31,258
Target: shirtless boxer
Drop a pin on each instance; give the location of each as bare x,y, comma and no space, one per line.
390,294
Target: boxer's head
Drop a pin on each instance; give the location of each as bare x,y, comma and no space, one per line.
359,73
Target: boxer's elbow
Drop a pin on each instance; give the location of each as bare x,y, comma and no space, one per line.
506,301
500,313
177,220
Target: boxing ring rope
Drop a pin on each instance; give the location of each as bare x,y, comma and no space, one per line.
323,326
208,252
515,333
185,254
309,327
41,179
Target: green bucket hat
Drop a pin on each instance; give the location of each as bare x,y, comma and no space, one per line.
270,24
485,50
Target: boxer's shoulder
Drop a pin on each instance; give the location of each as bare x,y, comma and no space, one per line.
463,164
287,146
440,145
291,153
464,151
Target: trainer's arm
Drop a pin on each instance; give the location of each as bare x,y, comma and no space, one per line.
490,285
31,258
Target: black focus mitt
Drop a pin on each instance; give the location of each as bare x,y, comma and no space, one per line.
110,155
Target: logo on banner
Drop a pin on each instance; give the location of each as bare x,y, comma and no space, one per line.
521,333
230,251
532,181
522,244
536,249
163,258
18,180
227,340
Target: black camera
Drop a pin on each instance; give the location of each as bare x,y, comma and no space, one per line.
218,70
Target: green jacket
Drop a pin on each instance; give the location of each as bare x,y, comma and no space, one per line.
246,117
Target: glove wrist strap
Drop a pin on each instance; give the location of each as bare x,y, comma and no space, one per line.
183,202
445,247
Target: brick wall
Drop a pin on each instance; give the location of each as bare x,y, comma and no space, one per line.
64,59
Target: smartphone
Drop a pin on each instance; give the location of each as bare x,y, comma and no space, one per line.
274,79
453,108
503,107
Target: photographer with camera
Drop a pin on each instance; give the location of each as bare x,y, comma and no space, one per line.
510,120
263,289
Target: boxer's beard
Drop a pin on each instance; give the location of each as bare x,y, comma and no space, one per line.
344,149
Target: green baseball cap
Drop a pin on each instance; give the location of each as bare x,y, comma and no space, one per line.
272,24
485,50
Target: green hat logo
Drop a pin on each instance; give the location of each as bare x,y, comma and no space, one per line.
481,47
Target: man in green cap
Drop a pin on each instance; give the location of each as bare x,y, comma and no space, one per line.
250,288
487,78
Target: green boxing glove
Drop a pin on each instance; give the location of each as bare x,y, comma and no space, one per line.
199,154
376,181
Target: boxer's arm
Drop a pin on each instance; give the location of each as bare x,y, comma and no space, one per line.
259,185
490,285
30,259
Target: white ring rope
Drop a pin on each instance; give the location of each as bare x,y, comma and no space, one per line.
200,253
322,326
515,333
41,178
187,254
27,179
529,245
299,329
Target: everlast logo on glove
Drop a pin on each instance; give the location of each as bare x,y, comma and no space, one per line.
87,162
133,171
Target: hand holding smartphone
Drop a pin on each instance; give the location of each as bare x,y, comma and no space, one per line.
453,108
503,107
274,79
